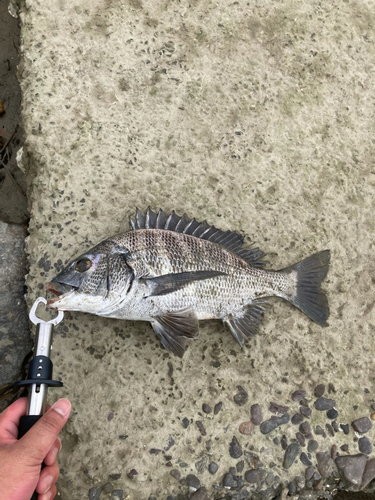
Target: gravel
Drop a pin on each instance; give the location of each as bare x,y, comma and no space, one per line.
291,454
256,414
235,449
362,425
322,404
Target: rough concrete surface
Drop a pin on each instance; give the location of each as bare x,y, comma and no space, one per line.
257,116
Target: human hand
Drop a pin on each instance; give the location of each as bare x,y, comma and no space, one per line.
20,460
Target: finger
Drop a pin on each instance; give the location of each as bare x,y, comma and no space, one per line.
10,420
39,439
49,495
51,456
48,478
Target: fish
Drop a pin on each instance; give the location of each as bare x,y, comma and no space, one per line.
174,271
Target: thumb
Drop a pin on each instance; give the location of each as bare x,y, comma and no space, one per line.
42,435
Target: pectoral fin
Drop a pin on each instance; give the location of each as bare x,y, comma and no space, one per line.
173,327
168,283
246,326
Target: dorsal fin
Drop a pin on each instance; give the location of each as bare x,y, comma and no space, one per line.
172,222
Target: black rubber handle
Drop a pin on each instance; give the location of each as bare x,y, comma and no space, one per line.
26,422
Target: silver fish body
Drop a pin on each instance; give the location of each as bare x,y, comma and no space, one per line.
174,271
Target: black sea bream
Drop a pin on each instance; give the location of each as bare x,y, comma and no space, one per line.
174,271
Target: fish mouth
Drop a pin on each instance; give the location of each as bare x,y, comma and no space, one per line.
60,290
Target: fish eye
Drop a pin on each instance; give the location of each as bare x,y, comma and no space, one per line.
83,265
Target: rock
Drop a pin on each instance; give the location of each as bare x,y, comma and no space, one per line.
201,427
255,476
344,447
362,425
330,430
369,473
300,438
345,428
292,488
268,426
325,464
365,445
352,467
305,428
319,390
309,472
132,473
256,414
283,419
207,409
277,408
335,426
185,423
235,449
94,493
213,468
298,395
193,482
117,494
319,431
200,494
115,477
291,454
176,474
284,442
107,488
246,428
297,419
228,481
312,446
239,466
305,411
217,408
241,397
322,404
332,413
299,482
304,459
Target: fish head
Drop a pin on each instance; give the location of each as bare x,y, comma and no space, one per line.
93,282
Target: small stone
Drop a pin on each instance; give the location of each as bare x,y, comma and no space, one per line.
345,428
213,468
319,430
362,425
277,408
201,428
117,494
207,409
115,477
291,454
352,467
297,419
193,482
331,388
228,481
241,397
217,408
344,447
154,451
300,439
305,411
256,414
305,428
322,404
299,482
107,488
235,450
335,426
246,428
330,430
239,466
132,473
312,446
304,459
319,390
369,473
298,395
325,464
292,488
332,413
365,445
185,423
373,406
94,493
255,476
284,442
309,472
176,474
208,445
200,494
334,452
269,478
316,476
268,426
282,419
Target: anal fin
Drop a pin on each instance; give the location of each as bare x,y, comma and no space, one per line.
173,327
247,325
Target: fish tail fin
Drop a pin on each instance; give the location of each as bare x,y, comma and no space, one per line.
307,295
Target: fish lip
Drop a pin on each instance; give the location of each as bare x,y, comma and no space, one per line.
60,289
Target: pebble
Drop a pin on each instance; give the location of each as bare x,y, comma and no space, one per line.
200,494
319,390
213,468
345,428
305,428
344,447
255,476
235,450
115,477
132,473
176,474
117,494
208,445
305,411
94,493
365,445
312,446
309,472
298,395
256,414
217,408
330,430
362,425
335,426
276,440
193,482
291,454
207,409
284,442
304,459
277,408
334,452
300,438
352,467
269,478
322,404
241,397
268,426
239,466
332,413
201,428
373,406
297,419
228,481
369,473
185,423
246,428
325,463
292,488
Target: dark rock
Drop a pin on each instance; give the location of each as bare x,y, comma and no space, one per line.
296,419
331,388
316,476
269,478
239,466
277,408
373,406
319,390
193,482
300,438
312,446
283,419
94,493
201,428
309,472
268,426
206,408
369,473
276,440
345,428
291,454
217,408
117,494
185,423
292,488
176,474
335,426
330,430
154,451
213,468
235,449
132,473
170,443
228,481
256,414
362,425
252,459
352,467
298,395
365,445
332,413
325,464
344,447
107,488
208,445
305,428
305,411
246,428
284,442
322,404
319,430
201,494
115,477
334,452
255,476
241,397
299,482
304,459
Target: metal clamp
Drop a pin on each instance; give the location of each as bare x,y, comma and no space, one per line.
34,319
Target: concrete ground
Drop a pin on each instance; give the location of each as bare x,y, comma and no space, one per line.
259,117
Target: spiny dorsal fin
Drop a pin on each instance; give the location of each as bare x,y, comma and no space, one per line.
183,224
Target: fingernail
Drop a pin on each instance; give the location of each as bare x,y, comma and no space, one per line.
62,406
48,482
55,451
48,495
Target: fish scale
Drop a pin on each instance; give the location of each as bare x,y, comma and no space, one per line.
174,271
